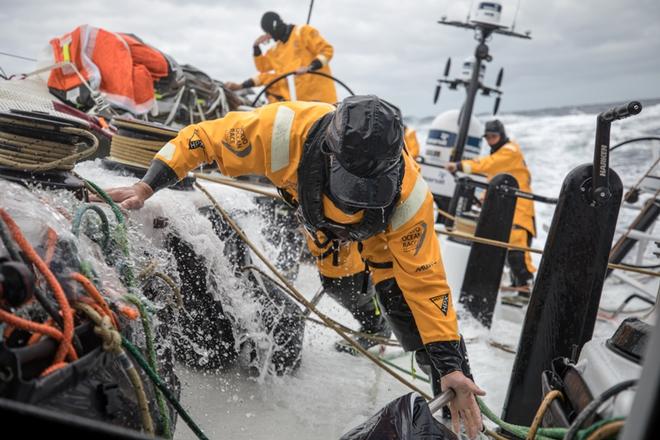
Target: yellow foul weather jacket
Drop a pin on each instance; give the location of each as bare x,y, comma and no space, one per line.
508,159
269,141
303,46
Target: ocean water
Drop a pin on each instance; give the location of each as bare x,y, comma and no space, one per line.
333,392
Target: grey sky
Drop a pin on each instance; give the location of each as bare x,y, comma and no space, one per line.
582,51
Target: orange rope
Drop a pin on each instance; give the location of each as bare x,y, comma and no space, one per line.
35,327
129,312
67,313
36,336
53,368
91,290
51,242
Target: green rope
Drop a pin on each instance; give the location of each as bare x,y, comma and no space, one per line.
519,431
542,433
151,355
133,350
120,234
585,433
120,239
115,208
403,370
105,225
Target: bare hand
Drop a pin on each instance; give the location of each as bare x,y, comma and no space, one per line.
265,38
463,406
302,70
451,167
232,86
129,197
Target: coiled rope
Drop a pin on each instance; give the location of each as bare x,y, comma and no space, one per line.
137,142
34,153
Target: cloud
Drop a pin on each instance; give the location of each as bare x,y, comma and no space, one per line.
582,51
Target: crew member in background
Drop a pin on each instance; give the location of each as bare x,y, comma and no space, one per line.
347,170
298,48
506,157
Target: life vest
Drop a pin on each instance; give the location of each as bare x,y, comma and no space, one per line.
312,180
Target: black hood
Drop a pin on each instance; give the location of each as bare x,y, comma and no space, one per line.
496,127
364,141
273,25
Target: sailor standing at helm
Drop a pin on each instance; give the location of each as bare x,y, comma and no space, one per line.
506,157
354,182
298,48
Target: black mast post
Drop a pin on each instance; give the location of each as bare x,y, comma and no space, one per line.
564,302
480,54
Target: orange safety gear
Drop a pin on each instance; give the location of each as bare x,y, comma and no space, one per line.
119,65
303,46
269,141
509,159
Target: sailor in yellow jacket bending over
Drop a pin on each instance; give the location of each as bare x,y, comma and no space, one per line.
506,157
298,48
353,182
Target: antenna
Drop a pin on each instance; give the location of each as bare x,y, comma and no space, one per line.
485,24
309,14
515,17
470,10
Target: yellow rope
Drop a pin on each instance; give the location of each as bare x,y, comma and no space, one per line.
606,431
510,246
112,344
133,150
381,340
137,152
303,300
150,271
494,435
32,154
266,191
540,412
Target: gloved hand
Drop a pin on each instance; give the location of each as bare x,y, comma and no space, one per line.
302,70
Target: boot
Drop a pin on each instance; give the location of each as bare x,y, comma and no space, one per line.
521,280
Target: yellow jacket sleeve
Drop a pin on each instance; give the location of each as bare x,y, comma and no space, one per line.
263,63
239,143
498,162
316,44
267,142
419,272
